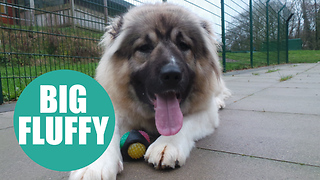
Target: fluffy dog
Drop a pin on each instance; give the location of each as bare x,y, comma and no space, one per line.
161,70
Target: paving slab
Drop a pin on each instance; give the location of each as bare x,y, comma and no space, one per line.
300,84
14,163
207,165
289,100
242,87
297,95
6,107
306,78
280,136
6,120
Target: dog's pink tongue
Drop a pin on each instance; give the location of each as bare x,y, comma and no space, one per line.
169,118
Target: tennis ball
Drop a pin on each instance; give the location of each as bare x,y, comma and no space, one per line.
133,144
136,150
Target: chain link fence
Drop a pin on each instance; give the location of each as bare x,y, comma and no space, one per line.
255,33
38,36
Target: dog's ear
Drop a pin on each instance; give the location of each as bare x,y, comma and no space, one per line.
115,27
205,25
113,30
212,44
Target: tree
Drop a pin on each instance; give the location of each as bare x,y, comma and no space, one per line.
295,24
306,27
317,13
238,31
305,23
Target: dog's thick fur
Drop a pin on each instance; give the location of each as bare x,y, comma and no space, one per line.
137,47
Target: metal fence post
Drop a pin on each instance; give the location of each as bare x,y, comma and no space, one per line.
287,37
267,33
105,3
223,33
287,42
73,23
278,47
1,95
251,35
32,13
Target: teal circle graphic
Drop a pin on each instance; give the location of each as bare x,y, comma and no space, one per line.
64,120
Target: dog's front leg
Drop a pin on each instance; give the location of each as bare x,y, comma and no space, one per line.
107,166
172,151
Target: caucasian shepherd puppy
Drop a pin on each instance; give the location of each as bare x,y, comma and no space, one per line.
161,70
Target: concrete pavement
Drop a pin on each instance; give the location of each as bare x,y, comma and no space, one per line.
269,130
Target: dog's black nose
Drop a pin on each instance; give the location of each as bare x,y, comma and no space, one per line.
170,74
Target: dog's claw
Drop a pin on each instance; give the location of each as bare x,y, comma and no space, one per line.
165,155
177,163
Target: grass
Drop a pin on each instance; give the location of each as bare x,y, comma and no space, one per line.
242,60
16,78
285,78
28,52
238,61
272,70
304,56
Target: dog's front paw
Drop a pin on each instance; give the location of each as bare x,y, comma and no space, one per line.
221,103
98,170
166,153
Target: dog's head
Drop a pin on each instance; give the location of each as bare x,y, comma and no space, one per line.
170,59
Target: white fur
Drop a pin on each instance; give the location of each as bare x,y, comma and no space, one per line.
224,94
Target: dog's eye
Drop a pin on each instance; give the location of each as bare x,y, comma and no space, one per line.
183,46
145,48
